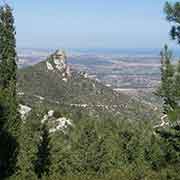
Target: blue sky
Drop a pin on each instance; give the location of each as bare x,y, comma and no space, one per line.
90,23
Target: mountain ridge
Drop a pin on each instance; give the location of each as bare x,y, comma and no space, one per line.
53,82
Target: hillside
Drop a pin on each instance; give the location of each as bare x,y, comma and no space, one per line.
54,83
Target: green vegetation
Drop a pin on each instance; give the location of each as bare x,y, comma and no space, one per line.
97,150
9,116
100,143
29,139
42,162
97,99
173,16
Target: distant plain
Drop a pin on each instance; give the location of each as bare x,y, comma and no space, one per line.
122,69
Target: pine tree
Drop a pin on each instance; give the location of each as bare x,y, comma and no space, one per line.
172,12
10,127
29,140
26,156
42,163
8,55
169,90
170,93
90,151
166,88
8,143
8,66
60,154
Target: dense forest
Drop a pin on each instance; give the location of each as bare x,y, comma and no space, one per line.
103,149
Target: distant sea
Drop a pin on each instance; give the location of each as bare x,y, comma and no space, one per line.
112,52
128,52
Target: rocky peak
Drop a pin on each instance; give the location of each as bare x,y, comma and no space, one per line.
58,62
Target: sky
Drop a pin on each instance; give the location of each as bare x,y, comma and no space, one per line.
90,23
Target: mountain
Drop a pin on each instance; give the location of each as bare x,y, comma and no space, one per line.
55,84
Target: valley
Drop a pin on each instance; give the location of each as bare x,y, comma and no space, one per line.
105,108
135,73
120,71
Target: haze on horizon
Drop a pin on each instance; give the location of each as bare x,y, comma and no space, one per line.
90,24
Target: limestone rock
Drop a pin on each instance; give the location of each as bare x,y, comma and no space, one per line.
59,63
24,110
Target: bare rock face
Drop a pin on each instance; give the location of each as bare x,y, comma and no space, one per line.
56,124
49,66
24,110
60,59
59,63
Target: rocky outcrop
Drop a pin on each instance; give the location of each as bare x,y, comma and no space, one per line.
24,110
58,62
56,124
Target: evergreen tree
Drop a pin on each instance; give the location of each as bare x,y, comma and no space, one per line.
61,156
8,55
29,140
173,15
10,120
166,90
154,153
172,11
170,93
8,66
8,143
42,164
90,152
27,154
